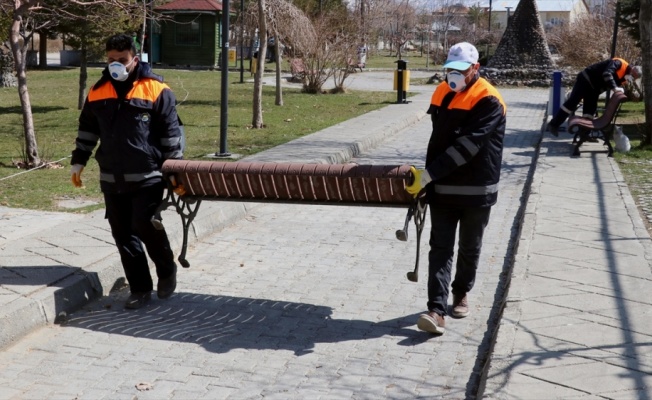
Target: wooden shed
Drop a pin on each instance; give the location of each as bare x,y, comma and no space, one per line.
192,35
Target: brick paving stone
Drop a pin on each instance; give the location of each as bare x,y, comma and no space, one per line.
295,302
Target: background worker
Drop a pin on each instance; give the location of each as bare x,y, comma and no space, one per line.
133,116
590,84
461,180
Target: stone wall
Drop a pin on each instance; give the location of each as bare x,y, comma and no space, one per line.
530,77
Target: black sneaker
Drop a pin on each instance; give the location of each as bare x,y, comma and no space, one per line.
137,300
166,286
554,130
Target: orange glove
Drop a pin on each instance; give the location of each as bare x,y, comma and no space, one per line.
180,190
177,188
75,175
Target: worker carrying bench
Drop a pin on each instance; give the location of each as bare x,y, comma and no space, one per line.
331,184
586,129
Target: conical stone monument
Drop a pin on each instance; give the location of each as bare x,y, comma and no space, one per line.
522,56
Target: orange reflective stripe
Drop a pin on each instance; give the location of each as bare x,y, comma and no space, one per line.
467,99
147,89
440,92
623,68
103,92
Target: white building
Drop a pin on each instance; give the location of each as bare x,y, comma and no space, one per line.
551,12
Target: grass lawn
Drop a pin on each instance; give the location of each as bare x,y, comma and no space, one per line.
53,95
636,165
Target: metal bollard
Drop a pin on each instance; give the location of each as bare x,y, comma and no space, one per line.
401,81
556,92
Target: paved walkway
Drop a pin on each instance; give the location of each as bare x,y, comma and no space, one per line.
577,318
570,327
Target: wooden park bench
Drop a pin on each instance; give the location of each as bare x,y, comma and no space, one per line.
586,129
297,69
331,184
354,67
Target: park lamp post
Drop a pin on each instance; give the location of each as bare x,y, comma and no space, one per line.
224,61
489,16
241,41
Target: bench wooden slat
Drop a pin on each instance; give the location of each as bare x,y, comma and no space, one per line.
378,185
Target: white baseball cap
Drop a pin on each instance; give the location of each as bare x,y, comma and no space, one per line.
461,56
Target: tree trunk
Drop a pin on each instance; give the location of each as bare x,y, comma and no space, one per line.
645,24
19,51
83,75
43,50
257,120
277,57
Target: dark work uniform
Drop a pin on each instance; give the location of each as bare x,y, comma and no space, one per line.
589,84
463,159
137,127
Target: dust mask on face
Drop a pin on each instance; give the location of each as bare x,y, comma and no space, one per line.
118,70
456,80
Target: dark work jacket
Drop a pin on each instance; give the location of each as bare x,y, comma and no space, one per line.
608,74
465,150
136,130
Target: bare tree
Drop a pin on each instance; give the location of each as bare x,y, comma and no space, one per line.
28,17
402,25
344,41
288,26
588,40
257,119
375,16
87,30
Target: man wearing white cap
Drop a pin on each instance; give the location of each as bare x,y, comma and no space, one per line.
460,180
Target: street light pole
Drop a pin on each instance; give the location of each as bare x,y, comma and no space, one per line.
224,61
489,16
241,41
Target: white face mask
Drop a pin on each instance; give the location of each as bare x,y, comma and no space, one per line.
456,80
118,70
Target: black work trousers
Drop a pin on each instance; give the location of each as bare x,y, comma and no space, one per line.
582,91
130,215
444,221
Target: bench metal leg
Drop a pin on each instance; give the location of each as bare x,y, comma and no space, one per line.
610,149
418,211
576,148
187,208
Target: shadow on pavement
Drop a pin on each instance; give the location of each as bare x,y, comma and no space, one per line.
224,323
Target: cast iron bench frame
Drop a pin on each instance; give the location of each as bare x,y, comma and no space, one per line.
599,128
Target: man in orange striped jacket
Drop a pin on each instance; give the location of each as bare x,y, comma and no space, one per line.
460,179
589,84
133,116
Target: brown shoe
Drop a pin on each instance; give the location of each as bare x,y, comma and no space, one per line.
431,322
460,306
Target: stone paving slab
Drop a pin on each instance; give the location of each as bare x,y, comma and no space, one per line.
588,335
